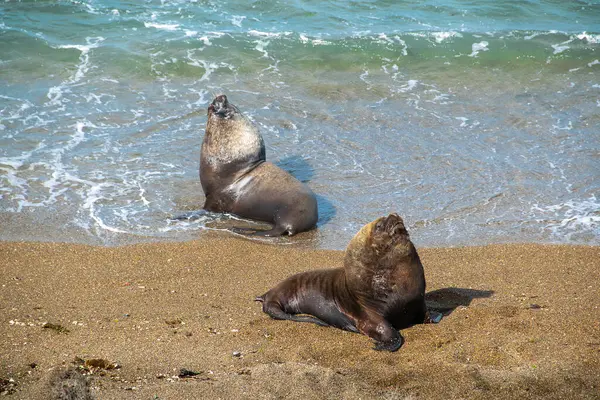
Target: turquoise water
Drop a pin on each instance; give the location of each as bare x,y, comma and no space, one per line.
478,122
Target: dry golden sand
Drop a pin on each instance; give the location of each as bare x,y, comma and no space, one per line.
524,322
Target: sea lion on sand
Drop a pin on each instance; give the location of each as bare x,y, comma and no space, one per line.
380,288
236,178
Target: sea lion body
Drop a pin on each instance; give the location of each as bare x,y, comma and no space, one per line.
236,178
380,288
317,293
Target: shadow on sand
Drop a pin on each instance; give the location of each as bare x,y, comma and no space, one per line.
448,299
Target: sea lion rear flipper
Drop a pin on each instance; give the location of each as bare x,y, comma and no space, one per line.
276,231
275,312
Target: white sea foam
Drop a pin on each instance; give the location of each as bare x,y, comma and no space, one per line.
595,62
93,195
477,47
56,185
561,127
17,114
363,76
536,34
253,32
441,36
384,38
442,98
97,98
11,182
237,20
209,67
404,50
572,217
215,34
314,42
410,85
463,120
166,27
16,162
559,48
203,98
417,34
55,93
79,135
142,197
260,46
590,38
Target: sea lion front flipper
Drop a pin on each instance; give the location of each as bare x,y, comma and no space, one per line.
243,231
381,331
189,216
275,312
433,317
276,231
390,346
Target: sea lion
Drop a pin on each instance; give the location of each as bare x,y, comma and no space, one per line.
236,178
380,288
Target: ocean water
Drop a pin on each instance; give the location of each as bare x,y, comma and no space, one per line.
478,122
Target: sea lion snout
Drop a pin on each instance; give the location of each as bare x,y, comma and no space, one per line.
393,225
220,100
220,105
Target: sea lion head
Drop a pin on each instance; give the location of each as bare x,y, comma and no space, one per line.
380,235
383,241
379,260
392,225
221,108
231,138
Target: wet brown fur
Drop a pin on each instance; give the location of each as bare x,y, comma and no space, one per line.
237,179
380,288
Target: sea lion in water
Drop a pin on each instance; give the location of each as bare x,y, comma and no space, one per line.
236,178
380,288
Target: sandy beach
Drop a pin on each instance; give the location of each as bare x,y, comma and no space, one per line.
522,321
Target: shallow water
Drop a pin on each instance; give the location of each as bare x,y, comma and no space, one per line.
477,123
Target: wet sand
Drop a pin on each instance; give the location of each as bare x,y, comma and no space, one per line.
522,321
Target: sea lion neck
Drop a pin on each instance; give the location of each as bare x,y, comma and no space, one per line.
233,141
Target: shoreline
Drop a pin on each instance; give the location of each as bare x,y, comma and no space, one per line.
522,323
